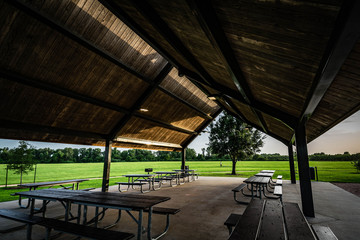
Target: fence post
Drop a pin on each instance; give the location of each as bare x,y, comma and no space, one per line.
317,176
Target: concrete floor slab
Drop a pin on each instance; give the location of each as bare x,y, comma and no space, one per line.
206,203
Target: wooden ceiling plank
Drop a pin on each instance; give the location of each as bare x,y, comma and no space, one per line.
344,37
28,9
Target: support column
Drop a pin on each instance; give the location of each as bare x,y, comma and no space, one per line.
304,173
291,161
107,162
183,158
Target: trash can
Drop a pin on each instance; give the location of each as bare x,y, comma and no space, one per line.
312,173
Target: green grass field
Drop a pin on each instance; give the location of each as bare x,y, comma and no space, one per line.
327,171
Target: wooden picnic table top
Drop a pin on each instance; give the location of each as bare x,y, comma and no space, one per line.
134,201
53,183
256,179
264,174
54,194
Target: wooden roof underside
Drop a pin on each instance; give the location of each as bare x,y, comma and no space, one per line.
80,71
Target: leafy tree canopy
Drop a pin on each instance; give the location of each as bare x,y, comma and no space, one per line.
230,136
21,159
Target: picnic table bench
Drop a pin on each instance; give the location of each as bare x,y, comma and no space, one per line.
62,183
269,219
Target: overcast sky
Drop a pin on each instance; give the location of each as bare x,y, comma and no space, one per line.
343,137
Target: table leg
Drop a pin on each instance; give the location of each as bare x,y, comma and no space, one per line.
140,224
149,223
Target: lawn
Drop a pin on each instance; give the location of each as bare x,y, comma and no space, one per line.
327,171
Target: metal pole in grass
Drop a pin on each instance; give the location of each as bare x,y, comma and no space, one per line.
317,176
6,180
35,173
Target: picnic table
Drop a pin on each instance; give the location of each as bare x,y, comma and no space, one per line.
34,186
139,180
258,185
187,173
270,219
105,200
168,176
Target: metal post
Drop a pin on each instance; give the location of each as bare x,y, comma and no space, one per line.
292,166
107,162
304,173
35,173
7,174
183,158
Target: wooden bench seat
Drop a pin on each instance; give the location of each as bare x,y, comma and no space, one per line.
66,227
231,221
323,232
239,188
278,191
167,212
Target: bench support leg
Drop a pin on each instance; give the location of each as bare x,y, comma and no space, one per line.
241,202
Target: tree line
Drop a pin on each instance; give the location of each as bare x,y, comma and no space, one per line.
88,155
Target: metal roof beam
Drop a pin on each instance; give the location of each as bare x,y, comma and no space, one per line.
344,36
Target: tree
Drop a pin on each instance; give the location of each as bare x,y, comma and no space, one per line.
21,159
356,163
230,136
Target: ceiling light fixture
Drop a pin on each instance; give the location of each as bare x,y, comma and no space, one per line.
143,110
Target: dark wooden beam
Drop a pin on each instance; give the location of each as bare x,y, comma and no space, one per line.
107,164
344,36
304,172
67,93
212,28
291,162
28,9
48,129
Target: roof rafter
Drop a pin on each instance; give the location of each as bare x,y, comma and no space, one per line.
67,93
209,23
344,36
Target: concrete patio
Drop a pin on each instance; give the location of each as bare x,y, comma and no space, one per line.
206,203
